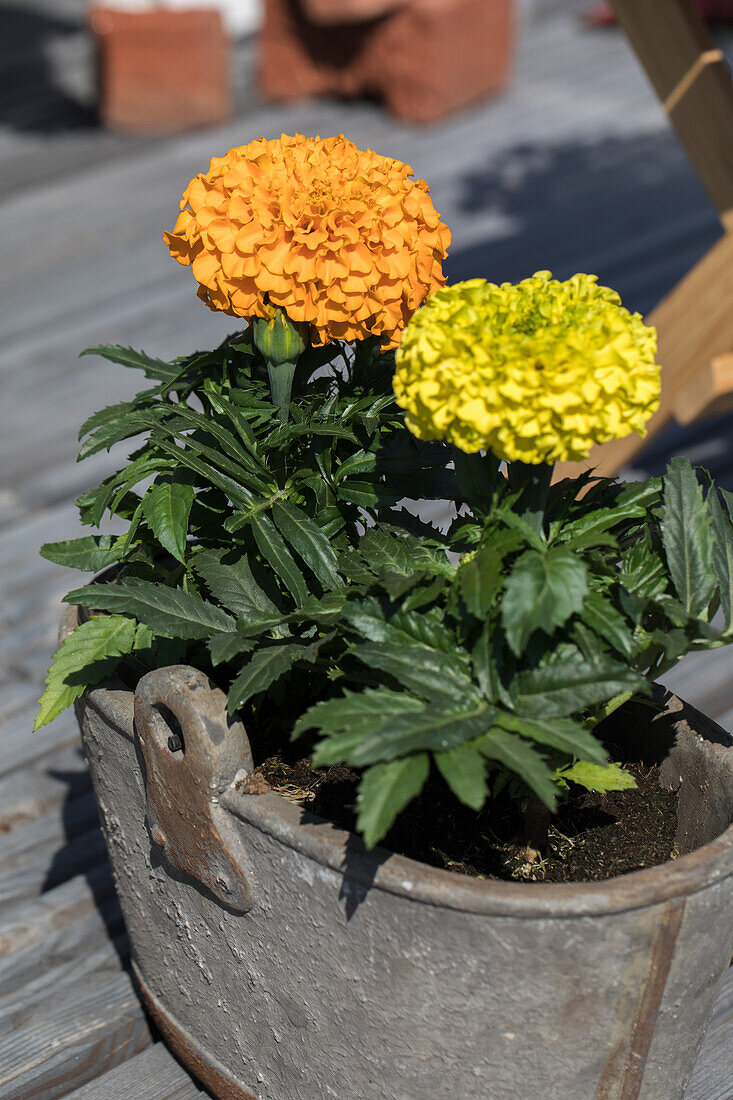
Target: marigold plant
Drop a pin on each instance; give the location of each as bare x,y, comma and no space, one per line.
260,535
340,238
536,372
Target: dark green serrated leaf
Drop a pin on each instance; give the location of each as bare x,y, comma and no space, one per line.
541,593
429,673
686,536
128,357
354,711
602,617
232,584
570,684
560,733
464,770
521,527
270,544
167,507
434,728
518,756
722,555
385,790
585,530
262,670
642,572
309,542
90,654
476,476
366,495
90,553
480,579
225,647
167,611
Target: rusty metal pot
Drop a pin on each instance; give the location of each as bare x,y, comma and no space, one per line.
282,961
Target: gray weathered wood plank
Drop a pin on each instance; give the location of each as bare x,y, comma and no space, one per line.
89,970
20,746
50,833
58,928
66,1041
152,1075
37,789
51,864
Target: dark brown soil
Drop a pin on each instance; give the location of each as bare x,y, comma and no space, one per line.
592,837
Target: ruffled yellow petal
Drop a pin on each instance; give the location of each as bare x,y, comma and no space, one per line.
536,372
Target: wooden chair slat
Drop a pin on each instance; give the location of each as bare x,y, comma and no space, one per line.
692,79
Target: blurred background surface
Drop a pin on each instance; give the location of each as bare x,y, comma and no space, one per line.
573,167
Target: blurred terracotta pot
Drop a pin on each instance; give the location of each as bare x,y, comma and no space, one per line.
424,58
161,70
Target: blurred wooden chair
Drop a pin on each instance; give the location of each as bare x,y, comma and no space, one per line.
695,320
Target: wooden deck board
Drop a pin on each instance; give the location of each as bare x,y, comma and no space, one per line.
152,1075
574,168
59,1044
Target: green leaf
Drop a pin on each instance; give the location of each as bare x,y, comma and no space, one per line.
167,611
167,507
604,620
642,572
325,611
128,357
385,790
541,593
480,579
641,494
89,655
560,733
568,684
276,554
382,737
477,476
686,536
464,770
232,584
599,777
367,495
262,670
519,757
722,554
238,493
225,647
354,711
385,550
307,539
432,674
91,552
589,530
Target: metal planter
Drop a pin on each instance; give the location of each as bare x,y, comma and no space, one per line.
282,961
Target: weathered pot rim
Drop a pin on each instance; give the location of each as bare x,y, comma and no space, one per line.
380,869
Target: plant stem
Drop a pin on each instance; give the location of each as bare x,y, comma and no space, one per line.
281,384
534,482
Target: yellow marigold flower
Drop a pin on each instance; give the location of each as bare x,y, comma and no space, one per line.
536,372
342,239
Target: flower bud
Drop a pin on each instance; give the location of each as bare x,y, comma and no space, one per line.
278,339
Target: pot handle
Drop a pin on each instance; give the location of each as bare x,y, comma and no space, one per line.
192,751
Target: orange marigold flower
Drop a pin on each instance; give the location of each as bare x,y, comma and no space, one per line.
342,239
